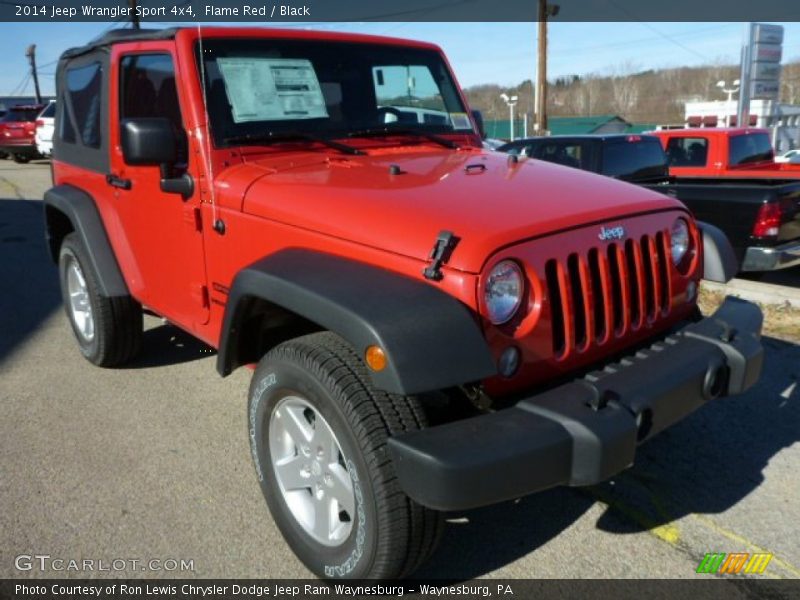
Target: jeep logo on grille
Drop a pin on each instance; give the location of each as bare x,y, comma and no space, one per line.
611,233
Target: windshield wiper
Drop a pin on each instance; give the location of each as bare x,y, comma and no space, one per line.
387,131
290,136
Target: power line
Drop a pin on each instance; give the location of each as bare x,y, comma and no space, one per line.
574,50
670,39
21,83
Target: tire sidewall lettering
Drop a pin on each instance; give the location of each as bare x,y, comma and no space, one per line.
272,384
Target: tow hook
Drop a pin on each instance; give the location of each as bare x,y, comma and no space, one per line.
715,381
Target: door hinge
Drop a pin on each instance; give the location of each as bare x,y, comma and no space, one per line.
200,294
193,218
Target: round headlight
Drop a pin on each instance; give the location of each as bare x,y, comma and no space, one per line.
503,293
679,237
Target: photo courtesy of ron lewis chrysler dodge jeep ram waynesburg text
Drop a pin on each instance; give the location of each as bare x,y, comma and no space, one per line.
434,327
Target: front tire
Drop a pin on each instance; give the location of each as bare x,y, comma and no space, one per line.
318,433
22,159
108,330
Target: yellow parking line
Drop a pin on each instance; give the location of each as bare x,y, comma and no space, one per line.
710,524
669,533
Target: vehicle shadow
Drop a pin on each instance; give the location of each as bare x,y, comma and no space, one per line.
30,291
715,458
788,277
479,541
705,464
164,344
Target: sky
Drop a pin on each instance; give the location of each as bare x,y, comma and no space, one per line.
501,53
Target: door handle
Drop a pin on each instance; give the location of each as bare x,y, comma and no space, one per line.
118,182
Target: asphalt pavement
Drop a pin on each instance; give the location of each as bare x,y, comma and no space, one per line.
151,462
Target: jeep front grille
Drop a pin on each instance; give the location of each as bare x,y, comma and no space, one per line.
607,292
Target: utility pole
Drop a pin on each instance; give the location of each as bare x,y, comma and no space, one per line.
31,54
134,15
545,10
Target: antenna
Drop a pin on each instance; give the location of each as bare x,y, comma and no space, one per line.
206,138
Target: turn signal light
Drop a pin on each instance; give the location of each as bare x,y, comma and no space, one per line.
376,358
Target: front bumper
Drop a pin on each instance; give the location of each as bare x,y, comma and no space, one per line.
770,259
587,430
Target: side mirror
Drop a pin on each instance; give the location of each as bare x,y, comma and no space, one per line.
149,142
478,118
153,141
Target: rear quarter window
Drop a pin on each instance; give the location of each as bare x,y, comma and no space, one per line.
81,111
83,90
752,148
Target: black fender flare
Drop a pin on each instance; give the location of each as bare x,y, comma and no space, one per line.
79,207
719,259
432,341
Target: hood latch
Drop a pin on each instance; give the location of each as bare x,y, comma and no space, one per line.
440,254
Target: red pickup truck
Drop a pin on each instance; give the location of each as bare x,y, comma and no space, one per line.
435,327
723,152
728,177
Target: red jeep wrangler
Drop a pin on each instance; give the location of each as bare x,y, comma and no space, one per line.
435,327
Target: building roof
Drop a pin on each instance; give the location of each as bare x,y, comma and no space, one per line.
566,126
580,125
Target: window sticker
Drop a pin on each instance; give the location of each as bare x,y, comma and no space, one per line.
460,121
272,89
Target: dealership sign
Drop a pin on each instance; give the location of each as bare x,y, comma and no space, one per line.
766,51
766,71
761,66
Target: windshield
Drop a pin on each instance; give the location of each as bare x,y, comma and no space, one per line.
755,147
258,87
635,159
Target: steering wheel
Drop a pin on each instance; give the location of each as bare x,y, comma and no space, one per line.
389,110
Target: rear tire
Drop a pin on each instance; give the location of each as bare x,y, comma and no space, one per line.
21,159
317,388
108,330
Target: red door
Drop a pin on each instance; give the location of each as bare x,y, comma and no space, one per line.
161,232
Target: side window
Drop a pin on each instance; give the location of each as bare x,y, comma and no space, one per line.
49,112
147,88
561,153
83,90
687,152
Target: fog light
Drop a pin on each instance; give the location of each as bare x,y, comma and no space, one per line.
509,362
691,291
375,358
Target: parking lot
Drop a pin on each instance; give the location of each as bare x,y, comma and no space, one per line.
152,461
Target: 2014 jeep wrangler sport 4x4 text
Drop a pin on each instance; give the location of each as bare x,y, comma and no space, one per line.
435,327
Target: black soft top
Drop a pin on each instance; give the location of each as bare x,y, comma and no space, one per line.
121,35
